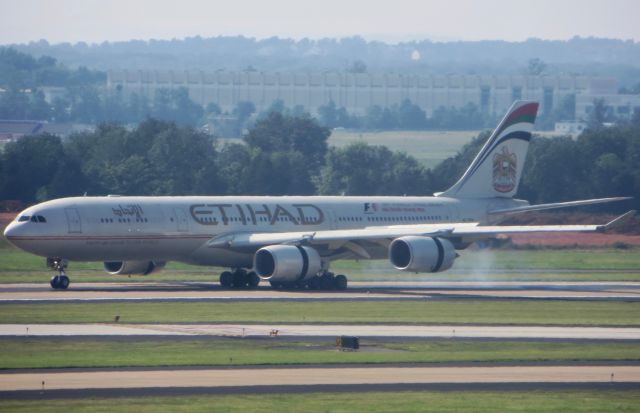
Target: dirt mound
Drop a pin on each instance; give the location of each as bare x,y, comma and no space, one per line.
574,239
631,227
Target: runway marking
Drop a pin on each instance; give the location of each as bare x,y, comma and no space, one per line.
316,376
323,330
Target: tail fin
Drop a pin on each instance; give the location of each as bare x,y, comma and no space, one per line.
496,170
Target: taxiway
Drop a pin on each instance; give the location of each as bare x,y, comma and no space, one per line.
323,330
310,376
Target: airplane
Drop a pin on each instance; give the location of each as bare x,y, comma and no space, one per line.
290,241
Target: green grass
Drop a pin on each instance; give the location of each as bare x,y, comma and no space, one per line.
385,402
584,313
25,353
428,147
559,265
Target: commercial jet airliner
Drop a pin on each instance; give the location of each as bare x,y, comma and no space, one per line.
291,240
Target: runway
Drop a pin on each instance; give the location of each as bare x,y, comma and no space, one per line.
322,330
358,291
314,376
254,380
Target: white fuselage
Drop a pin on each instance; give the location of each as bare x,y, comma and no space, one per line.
115,228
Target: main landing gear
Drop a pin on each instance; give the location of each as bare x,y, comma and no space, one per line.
326,281
60,281
239,278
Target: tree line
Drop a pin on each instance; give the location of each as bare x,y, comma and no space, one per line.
591,56
288,155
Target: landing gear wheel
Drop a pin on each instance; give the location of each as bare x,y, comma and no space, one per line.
226,279
252,279
327,281
239,279
340,282
63,282
314,283
60,281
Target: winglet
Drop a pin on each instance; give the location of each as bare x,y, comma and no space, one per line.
619,221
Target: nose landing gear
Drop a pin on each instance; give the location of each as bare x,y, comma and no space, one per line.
60,281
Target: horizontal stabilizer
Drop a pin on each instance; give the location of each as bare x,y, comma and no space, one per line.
541,207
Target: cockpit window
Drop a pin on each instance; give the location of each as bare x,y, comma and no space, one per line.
32,218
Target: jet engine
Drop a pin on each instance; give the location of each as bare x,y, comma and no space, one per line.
133,267
286,263
421,254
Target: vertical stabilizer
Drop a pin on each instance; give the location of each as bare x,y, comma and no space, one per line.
496,170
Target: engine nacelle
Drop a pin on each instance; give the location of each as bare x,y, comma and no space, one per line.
421,254
133,267
286,263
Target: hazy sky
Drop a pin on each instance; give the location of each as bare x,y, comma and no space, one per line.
95,21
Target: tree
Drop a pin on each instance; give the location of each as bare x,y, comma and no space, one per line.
183,161
14,104
29,165
283,155
281,133
536,67
233,163
86,105
379,118
358,66
361,169
277,106
156,158
552,172
213,109
175,105
410,116
598,114
243,111
328,114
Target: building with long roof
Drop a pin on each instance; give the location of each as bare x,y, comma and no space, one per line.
358,91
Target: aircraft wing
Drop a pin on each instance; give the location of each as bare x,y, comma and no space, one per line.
468,231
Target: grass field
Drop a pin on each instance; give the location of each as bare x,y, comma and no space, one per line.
26,353
500,312
545,264
383,402
429,147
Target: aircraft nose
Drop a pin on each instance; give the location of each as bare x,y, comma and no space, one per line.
11,231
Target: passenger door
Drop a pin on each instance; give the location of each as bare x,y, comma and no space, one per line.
73,220
181,219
